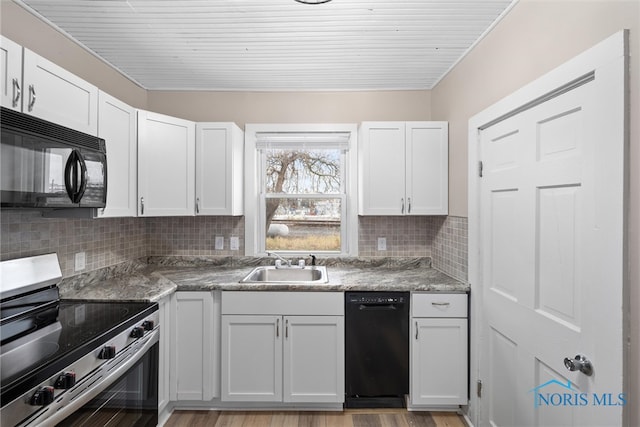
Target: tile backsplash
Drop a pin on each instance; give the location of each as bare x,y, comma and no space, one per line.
406,236
105,241
193,235
111,241
450,246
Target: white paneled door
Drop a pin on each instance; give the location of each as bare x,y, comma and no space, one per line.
551,255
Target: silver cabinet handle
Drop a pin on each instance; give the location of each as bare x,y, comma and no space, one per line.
277,328
441,303
141,205
197,205
409,201
286,328
416,329
16,93
32,97
402,205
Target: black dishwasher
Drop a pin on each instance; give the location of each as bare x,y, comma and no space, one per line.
376,349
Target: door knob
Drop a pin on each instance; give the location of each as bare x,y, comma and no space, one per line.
579,363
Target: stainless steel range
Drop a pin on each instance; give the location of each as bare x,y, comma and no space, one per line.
72,362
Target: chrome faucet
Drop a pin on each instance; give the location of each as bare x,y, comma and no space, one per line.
288,262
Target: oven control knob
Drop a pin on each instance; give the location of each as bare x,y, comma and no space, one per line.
65,381
148,325
107,352
42,397
137,332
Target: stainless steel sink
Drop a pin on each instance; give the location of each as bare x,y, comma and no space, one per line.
271,274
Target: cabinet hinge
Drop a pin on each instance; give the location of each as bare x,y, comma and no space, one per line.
480,169
479,388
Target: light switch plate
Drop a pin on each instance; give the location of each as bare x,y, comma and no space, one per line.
80,261
382,243
234,243
219,243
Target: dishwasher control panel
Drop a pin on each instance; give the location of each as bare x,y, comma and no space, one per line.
375,299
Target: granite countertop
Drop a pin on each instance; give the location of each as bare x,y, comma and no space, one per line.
159,277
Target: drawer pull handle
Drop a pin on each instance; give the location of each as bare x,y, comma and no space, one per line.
440,303
416,330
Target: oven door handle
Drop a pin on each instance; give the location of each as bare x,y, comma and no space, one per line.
99,387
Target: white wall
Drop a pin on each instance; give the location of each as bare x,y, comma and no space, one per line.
293,107
535,37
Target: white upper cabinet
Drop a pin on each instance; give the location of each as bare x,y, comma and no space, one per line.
37,86
166,164
11,84
427,168
219,169
117,125
403,168
52,93
382,164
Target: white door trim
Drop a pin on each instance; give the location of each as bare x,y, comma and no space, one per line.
612,52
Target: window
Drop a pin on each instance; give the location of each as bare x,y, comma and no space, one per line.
303,196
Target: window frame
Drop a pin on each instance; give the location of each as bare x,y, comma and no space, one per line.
255,208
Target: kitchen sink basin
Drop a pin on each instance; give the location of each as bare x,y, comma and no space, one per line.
271,274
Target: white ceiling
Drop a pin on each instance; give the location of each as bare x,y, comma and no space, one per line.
276,44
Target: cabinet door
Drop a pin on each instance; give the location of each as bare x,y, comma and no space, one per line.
427,171
117,125
439,361
314,359
192,364
165,309
382,168
166,164
53,93
11,76
219,169
251,358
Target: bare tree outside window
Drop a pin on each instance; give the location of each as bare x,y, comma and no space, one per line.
303,202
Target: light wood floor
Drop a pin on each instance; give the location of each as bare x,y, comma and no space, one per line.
347,418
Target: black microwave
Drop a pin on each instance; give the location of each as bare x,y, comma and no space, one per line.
45,165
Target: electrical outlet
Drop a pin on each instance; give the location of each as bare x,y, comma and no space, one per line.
80,261
219,243
382,243
234,243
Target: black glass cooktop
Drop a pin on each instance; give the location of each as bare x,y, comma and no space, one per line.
80,327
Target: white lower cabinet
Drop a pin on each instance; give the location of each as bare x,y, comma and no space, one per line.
165,308
251,358
313,360
439,349
272,351
194,346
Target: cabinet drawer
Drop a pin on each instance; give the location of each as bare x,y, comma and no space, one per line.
283,303
438,305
